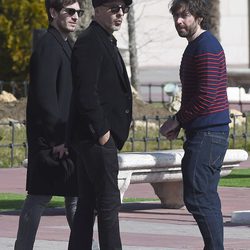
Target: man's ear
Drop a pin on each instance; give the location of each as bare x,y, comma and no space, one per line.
200,19
53,13
97,11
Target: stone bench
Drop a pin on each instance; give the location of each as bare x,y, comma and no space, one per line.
238,95
162,169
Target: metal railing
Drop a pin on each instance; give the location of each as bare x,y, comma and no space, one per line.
144,133
153,93
239,134
239,130
13,143
144,136
150,93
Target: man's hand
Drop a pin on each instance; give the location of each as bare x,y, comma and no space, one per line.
172,135
103,139
60,150
170,126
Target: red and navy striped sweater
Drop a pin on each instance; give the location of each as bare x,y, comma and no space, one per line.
204,104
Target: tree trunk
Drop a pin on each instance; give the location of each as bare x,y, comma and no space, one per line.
214,18
132,47
248,33
85,20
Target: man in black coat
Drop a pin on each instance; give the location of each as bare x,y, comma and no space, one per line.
50,172
100,119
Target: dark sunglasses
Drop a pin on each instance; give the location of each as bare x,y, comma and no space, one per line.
116,8
71,11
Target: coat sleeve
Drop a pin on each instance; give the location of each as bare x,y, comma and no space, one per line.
44,68
87,60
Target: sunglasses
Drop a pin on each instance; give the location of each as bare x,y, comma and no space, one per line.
71,11
116,8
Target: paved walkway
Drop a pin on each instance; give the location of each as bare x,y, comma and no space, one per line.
144,226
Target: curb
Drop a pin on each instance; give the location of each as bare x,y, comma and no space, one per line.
241,217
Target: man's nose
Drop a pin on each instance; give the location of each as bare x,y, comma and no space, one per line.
178,20
120,12
75,16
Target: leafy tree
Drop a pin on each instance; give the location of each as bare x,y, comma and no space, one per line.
18,19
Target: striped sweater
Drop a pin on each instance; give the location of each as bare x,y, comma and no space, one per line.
203,75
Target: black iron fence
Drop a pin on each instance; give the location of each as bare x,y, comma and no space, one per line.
150,93
13,144
153,93
144,133
144,136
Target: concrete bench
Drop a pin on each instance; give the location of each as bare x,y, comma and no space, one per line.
237,95
162,169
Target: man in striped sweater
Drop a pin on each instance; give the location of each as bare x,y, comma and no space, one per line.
204,115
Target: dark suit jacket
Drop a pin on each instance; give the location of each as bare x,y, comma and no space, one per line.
48,108
101,98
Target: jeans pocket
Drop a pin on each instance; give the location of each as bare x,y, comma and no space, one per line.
219,144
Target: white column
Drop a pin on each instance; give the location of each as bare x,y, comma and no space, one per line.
248,33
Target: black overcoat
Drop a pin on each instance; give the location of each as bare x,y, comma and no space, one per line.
47,112
101,98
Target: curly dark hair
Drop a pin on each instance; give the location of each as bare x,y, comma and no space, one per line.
57,5
198,8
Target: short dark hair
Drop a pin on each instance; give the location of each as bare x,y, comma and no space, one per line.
57,5
198,8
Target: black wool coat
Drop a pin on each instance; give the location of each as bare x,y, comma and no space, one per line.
47,114
101,98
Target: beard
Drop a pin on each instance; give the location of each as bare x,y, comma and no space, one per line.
187,32
182,33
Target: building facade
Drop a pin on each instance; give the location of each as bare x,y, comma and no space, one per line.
159,45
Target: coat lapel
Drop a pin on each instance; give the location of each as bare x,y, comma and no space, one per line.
66,48
109,47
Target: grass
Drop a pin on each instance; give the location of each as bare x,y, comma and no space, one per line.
12,141
130,200
237,178
12,202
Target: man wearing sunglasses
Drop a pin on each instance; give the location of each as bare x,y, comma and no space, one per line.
47,114
100,119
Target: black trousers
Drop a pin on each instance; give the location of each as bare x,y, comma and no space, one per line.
98,189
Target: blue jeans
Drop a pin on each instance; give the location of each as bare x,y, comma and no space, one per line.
33,208
201,166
